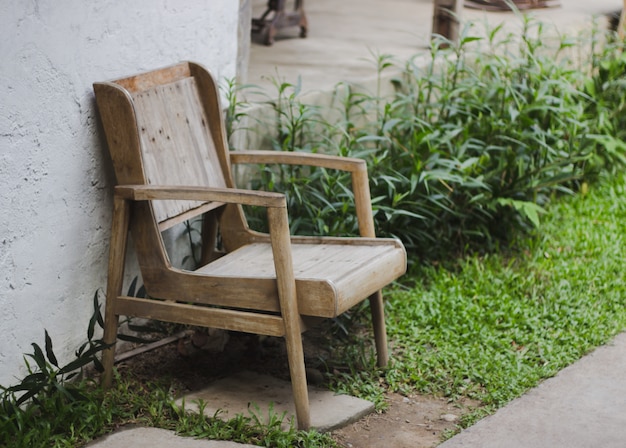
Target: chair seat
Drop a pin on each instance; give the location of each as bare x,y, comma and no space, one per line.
330,278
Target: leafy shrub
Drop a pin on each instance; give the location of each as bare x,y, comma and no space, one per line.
471,146
607,108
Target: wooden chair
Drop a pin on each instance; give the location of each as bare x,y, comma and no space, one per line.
277,16
165,133
446,19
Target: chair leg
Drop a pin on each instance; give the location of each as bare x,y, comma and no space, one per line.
117,253
304,26
380,330
286,285
446,19
209,237
108,355
295,354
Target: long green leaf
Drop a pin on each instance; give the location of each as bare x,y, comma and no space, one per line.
39,357
49,351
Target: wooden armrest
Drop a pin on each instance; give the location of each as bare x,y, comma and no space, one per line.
358,168
204,194
299,158
276,204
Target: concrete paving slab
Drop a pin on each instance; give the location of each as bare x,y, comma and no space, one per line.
239,394
584,406
158,438
242,392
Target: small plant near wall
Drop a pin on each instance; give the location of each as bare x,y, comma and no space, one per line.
57,406
41,408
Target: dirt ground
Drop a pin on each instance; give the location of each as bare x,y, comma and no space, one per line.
409,422
417,421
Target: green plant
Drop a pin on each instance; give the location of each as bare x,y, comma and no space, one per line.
469,150
51,410
484,136
605,87
234,106
313,194
48,404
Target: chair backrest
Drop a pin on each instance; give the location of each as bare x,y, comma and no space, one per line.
165,127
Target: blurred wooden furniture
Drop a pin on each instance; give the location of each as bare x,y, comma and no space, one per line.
446,19
502,5
447,13
277,16
622,22
165,133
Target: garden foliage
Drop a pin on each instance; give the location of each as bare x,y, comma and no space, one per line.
469,148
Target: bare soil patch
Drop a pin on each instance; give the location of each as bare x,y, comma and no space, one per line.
409,422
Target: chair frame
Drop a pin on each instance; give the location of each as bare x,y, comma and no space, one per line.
132,211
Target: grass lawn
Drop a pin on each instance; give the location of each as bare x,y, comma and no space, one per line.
491,327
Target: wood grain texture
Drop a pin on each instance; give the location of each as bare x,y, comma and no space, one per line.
172,127
115,279
189,314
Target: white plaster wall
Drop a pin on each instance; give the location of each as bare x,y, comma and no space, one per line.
55,180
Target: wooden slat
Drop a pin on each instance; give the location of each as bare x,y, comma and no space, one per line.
278,223
311,261
115,280
156,77
209,194
297,158
189,214
177,146
200,316
118,119
241,288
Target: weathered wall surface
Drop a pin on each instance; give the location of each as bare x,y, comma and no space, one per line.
55,177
